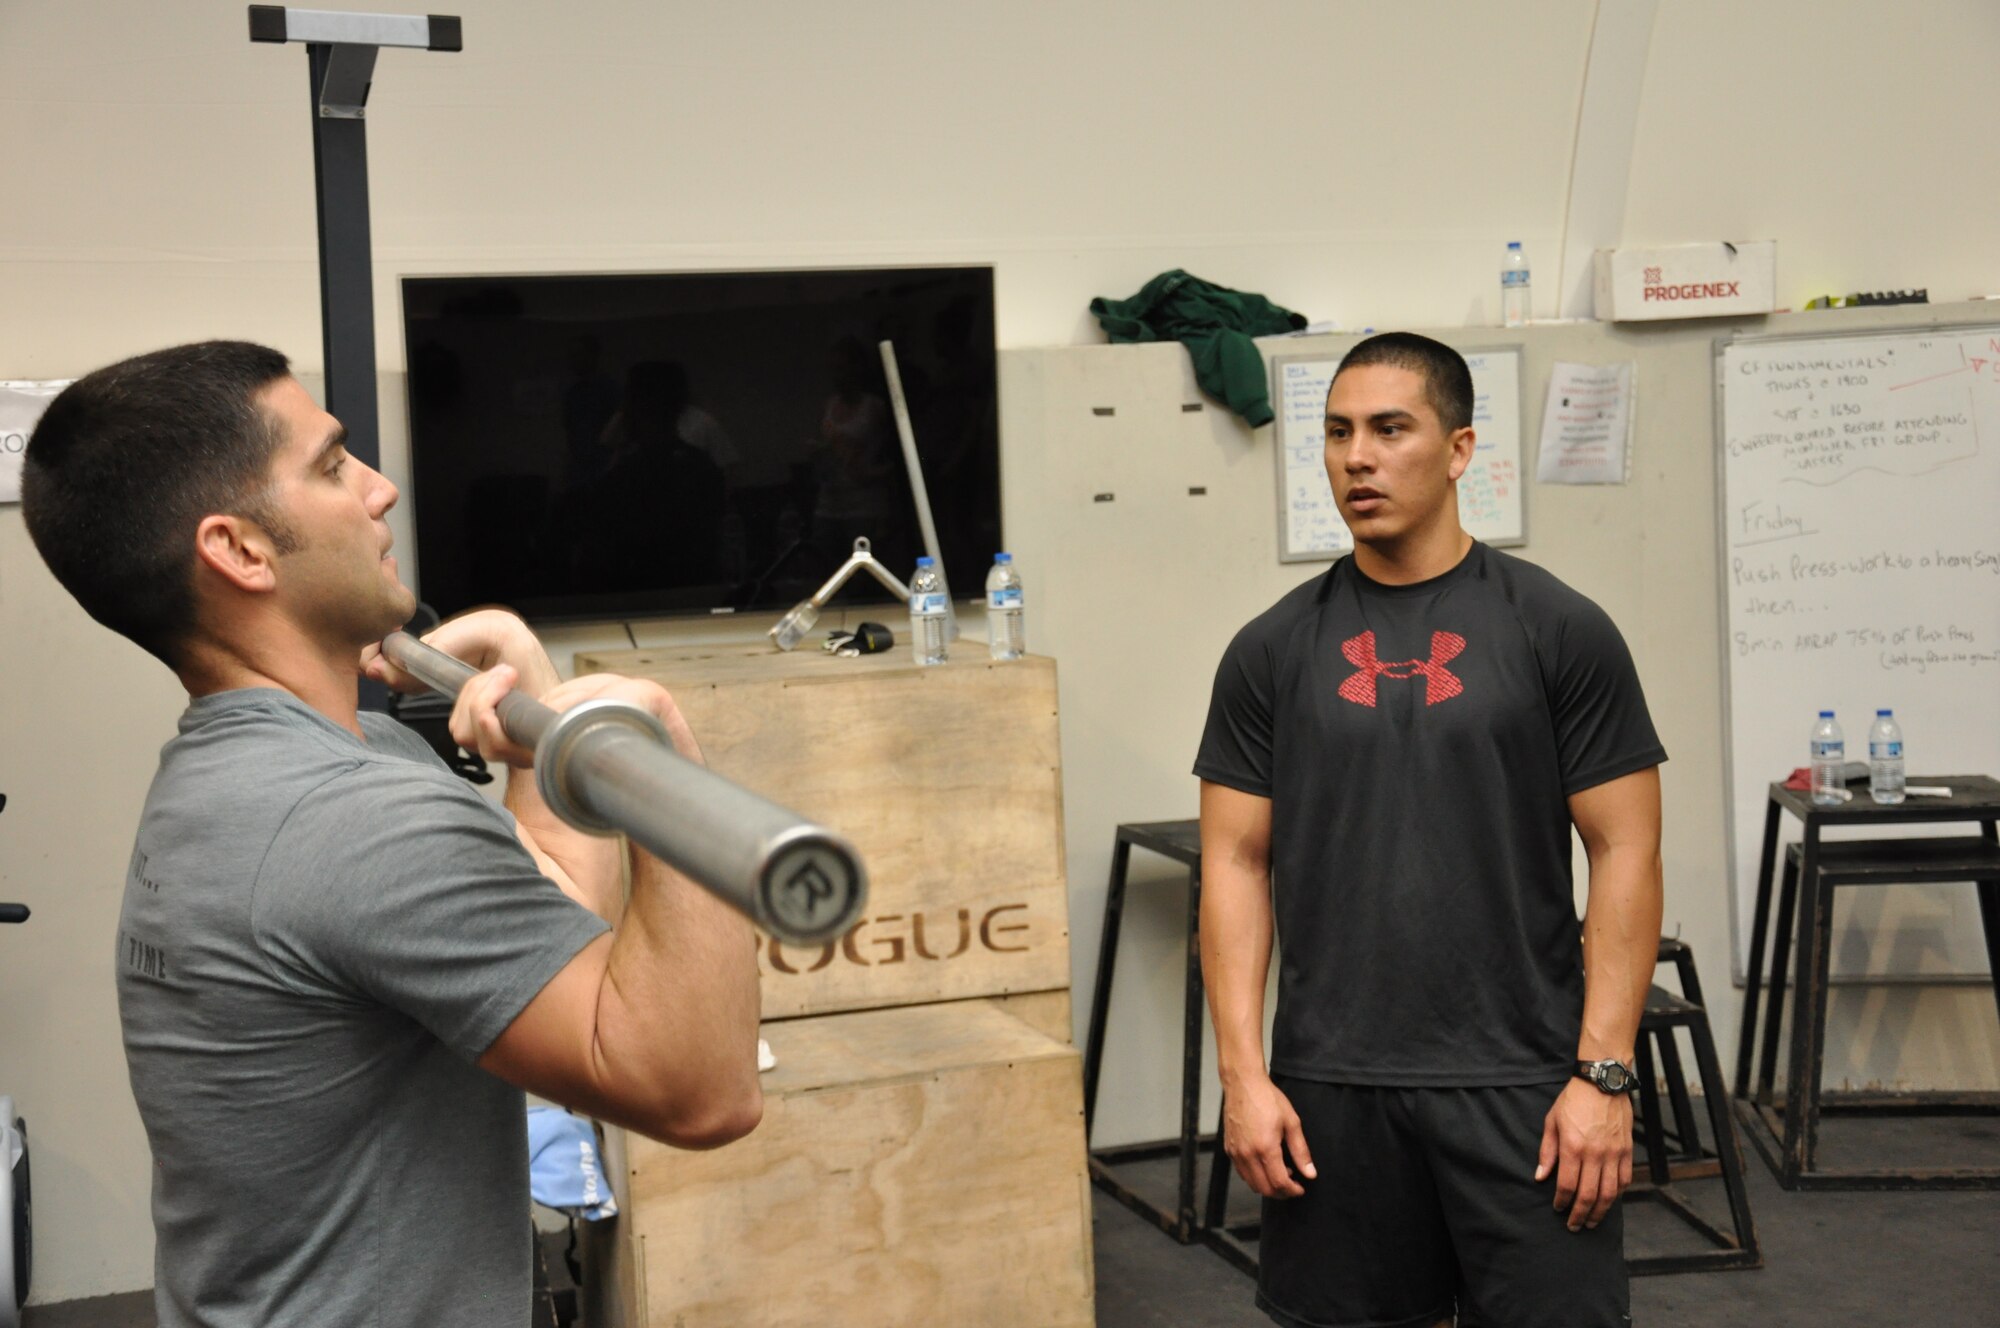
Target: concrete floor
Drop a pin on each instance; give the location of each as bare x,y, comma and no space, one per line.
1831,1260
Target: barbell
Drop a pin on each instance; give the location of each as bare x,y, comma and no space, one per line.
608,767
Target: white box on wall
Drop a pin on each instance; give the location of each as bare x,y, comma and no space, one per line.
1687,280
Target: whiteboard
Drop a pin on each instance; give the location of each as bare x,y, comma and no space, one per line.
1489,493
1860,560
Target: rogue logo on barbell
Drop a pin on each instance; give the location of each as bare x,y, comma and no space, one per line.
809,887
895,944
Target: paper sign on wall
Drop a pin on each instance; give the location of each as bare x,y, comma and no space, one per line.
21,404
1587,425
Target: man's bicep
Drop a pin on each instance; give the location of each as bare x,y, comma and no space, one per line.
1619,813
550,1049
1235,828
588,870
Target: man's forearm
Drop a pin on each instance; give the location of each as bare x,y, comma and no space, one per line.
1621,944
593,864
590,868
1236,930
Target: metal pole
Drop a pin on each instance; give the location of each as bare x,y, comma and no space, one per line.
607,767
346,259
911,463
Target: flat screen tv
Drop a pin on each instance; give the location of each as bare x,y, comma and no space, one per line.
645,444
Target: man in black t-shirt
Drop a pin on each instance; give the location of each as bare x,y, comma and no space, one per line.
1394,757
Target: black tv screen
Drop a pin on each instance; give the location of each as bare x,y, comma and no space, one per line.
618,446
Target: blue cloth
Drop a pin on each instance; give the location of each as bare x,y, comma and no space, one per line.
565,1171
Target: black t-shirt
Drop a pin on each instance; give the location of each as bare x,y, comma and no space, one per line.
1419,744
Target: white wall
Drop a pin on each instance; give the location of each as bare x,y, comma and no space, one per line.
1355,161
1850,133
1080,147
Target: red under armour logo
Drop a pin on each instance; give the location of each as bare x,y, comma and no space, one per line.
1440,683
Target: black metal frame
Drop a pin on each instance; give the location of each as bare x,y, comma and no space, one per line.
346,263
1233,1243
18,1225
1975,798
1664,1013
1180,841
1785,1130
1693,1160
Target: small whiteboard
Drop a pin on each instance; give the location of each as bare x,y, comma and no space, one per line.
1489,493
1860,567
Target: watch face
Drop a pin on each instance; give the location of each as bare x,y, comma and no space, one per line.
1611,1076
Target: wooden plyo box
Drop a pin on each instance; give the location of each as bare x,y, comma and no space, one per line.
949,782
922,1165
921,1157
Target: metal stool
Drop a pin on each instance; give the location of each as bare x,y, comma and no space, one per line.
1786,1130
1687,1160
1181,841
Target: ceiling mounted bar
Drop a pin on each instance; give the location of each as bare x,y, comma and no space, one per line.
343,86
341,50
424,32
340,64
356,38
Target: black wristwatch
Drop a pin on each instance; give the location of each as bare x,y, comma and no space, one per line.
1612,1077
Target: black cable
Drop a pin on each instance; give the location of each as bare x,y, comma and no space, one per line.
629,637
755,596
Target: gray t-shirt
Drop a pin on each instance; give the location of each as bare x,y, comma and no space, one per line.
319,938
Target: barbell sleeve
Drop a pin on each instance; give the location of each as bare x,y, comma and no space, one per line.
609,767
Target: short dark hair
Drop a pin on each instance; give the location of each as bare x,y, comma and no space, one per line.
126,462
1447,379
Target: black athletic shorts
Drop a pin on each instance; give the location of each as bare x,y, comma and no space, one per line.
1426,1205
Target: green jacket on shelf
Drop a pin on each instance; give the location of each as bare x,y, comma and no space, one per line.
1215,324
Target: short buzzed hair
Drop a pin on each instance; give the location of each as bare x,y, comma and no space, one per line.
1447,378
128,460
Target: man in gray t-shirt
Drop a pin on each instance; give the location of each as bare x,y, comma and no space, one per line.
303,1039
338,966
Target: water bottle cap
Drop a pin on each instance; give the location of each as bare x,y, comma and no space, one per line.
926,562
1884,714
1003,557
1513,244
1824,714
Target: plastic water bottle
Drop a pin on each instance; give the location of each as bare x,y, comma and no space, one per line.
1829,753
1006,637
930,603
1885,758
1514,287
